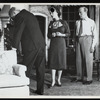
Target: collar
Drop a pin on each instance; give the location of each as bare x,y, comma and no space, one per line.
86,18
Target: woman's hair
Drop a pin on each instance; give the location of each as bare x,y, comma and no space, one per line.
53,8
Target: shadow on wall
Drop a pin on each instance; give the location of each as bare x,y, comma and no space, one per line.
4,11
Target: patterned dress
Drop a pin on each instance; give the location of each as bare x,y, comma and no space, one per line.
57,51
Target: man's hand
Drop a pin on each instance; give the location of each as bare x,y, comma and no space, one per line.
53,34
92,49
14,48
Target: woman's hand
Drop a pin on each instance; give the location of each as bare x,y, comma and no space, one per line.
60,34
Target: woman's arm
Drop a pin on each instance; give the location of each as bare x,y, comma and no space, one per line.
67,29
60,34
66,32
49,31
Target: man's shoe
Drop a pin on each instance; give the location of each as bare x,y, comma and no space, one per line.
87,82
39,93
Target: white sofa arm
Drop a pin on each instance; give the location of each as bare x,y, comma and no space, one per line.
19,70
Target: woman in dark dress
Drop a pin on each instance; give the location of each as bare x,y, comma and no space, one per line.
58,30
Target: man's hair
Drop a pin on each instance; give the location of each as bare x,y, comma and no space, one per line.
85,9
11,11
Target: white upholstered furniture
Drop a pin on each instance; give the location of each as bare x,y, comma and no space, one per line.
13,81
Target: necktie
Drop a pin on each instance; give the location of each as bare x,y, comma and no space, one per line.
81,28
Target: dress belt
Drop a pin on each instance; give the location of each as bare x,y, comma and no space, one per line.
58,37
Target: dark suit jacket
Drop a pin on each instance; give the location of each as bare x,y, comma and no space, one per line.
27,30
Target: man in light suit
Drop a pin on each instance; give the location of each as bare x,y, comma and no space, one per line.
85,44
27,31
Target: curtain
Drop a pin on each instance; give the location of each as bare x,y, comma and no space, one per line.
94,14
91,12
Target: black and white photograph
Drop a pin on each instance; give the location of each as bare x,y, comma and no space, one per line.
49,50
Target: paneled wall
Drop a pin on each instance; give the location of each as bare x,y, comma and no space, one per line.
43,9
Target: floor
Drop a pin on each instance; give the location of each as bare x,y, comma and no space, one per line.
68,89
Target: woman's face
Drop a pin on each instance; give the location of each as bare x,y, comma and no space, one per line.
54,14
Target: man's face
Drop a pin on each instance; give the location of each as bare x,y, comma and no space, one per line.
14,13
82,13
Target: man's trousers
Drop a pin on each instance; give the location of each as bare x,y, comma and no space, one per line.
84,59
